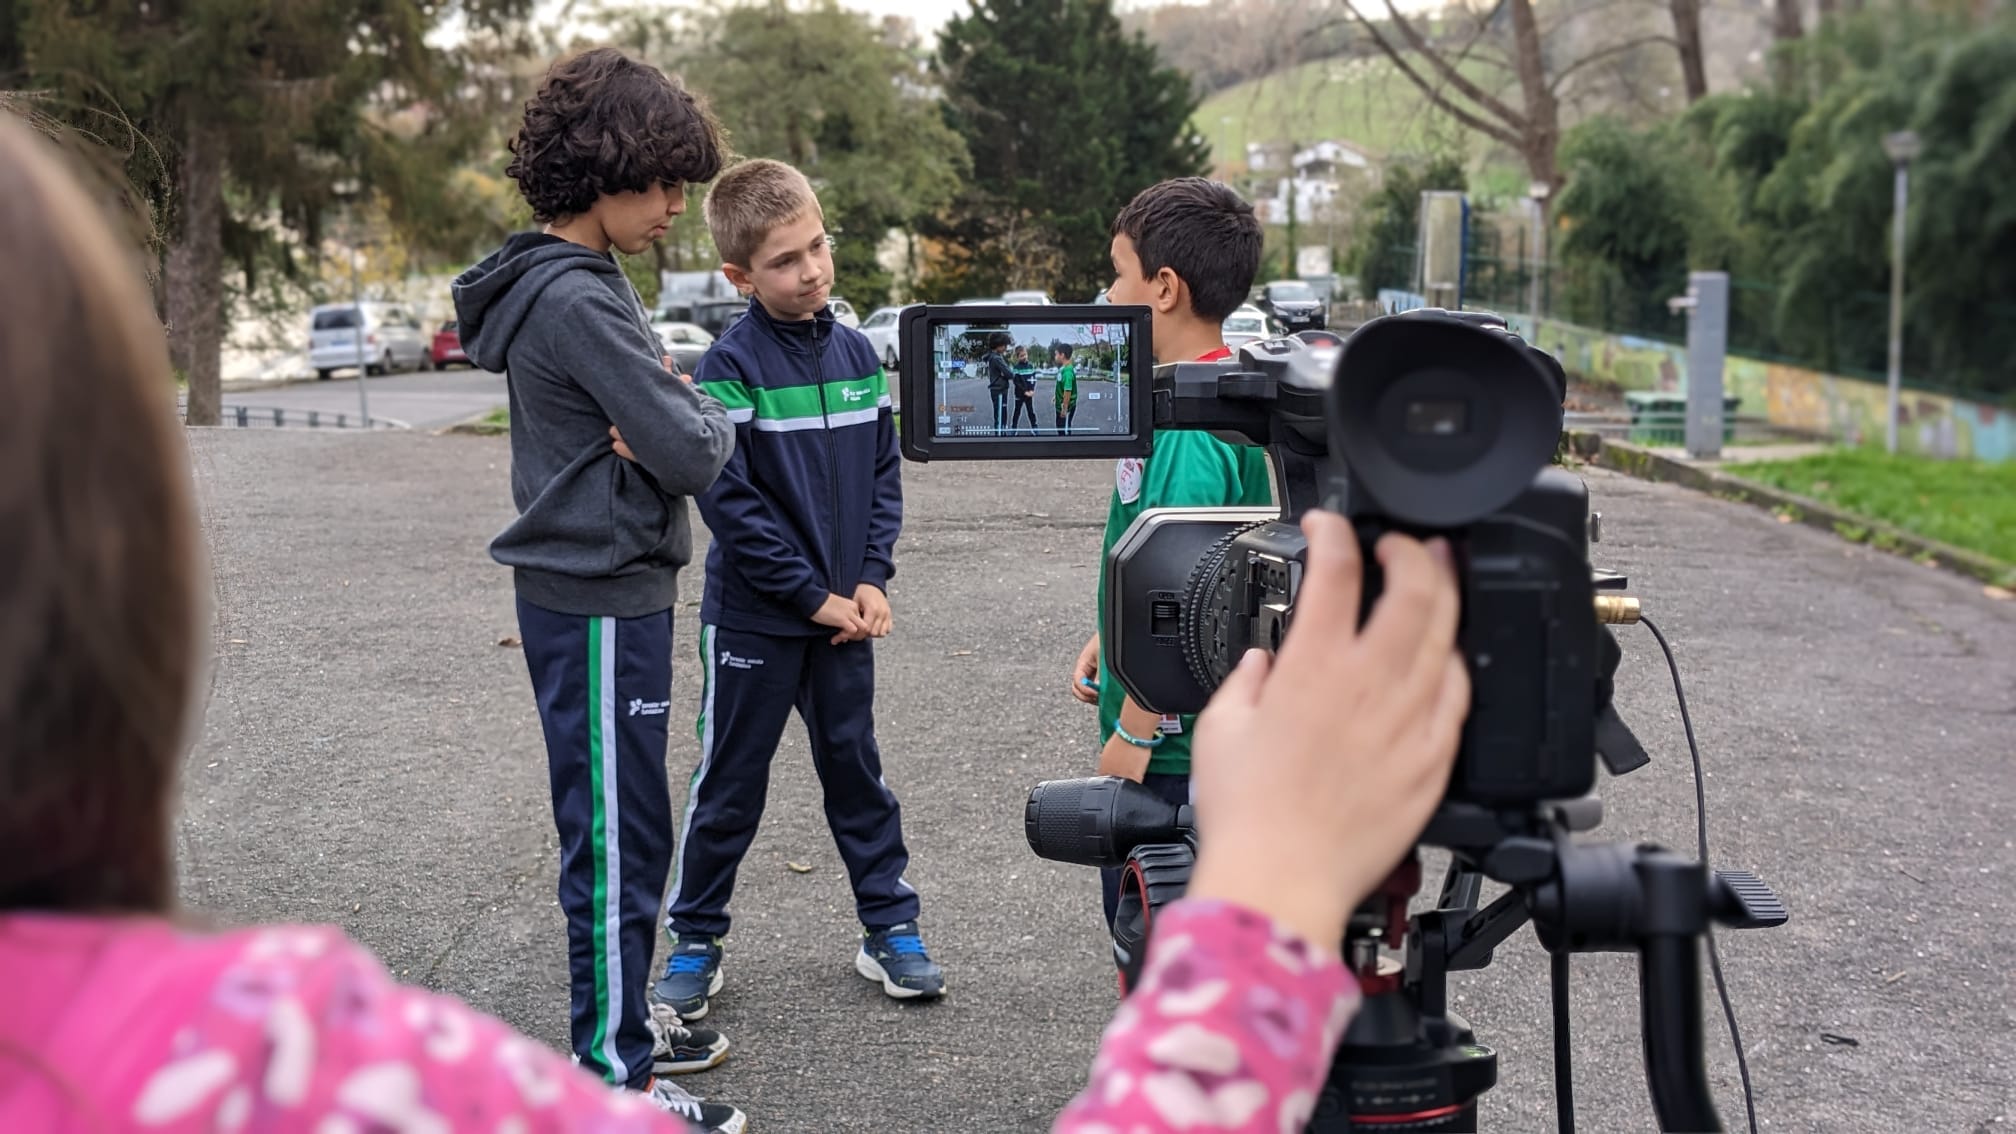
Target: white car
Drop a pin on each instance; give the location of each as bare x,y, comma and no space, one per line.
1026,298
1247,324
843,312
677,334
392,338
880,328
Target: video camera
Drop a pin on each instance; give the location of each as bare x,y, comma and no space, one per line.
1430,423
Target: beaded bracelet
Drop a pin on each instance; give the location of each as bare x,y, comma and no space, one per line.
1122,733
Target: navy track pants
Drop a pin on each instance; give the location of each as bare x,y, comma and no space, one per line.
751,684
604,687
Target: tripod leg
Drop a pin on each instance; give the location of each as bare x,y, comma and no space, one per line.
1564,1074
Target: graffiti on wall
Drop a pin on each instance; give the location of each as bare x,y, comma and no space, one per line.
1849,410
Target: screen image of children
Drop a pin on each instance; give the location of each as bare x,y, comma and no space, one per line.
989,377
1025,389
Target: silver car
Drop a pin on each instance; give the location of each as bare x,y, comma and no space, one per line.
392,339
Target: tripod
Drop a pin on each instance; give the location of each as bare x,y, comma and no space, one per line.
1408,1063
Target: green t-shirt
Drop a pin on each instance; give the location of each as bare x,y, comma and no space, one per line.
1189,469
1067,383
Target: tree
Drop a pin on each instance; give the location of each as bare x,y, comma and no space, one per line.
1532,127
842,98
1390,226
265,108
1687,41
1067,118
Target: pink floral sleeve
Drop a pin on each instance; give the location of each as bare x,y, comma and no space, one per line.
303,1031
1232,1028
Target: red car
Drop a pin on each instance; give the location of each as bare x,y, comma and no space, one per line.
448,347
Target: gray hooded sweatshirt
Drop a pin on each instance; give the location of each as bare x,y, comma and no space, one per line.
596,535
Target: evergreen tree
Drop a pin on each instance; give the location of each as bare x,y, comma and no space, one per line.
1066,118
257,111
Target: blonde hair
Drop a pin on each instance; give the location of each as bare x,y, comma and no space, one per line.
101,582
749,201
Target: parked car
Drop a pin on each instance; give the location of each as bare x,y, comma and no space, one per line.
981,301
715,316
1248,324
880,328
1025,298
843,312
685,356
447,349
682,334
392,339
1294,303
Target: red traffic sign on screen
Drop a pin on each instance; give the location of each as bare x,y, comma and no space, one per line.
1098,328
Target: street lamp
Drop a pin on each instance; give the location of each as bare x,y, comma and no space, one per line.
350,191
1536,195
1902,147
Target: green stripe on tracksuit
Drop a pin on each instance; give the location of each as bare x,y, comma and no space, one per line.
604,690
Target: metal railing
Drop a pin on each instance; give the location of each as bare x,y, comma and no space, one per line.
285,417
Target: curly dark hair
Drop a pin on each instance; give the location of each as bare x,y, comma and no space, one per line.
1202,230
604,123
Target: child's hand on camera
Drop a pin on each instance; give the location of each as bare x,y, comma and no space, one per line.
842,614
874,607
1315,771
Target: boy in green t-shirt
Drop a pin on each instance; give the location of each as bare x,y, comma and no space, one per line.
1188,250
1066,388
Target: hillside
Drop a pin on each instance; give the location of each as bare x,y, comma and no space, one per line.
1366,101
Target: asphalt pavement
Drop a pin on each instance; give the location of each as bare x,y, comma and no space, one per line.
372,759
425,400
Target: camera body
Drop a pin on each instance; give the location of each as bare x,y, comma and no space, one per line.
1429,423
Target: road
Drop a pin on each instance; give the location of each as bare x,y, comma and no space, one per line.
372,759
969,407
426,400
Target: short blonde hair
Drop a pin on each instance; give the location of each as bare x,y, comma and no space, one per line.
750,200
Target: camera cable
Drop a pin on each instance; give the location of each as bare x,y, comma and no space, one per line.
1701,821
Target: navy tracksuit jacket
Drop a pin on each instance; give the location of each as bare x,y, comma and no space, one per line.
809,505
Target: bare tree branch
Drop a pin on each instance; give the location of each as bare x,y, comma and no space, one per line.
1435,94
1614,49
1470,90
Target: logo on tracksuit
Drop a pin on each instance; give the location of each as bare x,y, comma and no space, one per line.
643,708
729,659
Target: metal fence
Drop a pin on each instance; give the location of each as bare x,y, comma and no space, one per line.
1848,337
290,417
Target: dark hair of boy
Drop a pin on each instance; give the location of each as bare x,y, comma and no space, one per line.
603,123
998,339
1064,350
1203,231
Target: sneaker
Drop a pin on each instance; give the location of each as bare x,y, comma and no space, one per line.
677,1049
896,957
710,1117
692,974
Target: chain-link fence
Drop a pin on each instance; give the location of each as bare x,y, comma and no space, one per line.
1848,337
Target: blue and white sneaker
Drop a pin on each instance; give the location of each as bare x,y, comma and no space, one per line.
692,974
896,957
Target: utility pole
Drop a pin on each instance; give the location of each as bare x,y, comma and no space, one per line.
1903,149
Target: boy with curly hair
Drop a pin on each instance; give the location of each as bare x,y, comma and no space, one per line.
605,447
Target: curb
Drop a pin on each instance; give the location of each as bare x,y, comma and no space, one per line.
1645,464
477,426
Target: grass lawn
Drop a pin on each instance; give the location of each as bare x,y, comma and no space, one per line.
1969,504
1365,101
